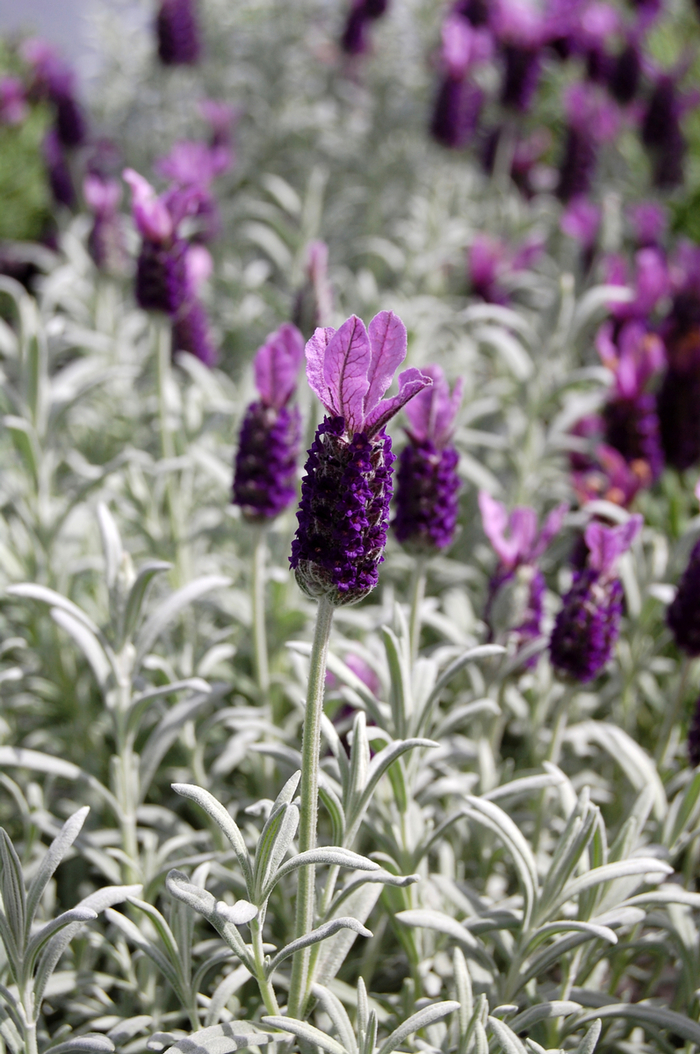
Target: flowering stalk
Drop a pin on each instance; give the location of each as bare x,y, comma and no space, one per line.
343,520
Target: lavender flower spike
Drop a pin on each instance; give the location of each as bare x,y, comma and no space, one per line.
343,515
683,615
426,498
588,624
518,545
265,467
161,270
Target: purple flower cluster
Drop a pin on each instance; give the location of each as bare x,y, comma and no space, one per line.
344,511
427,479
106,238
177,33
264,481
694,736
354,39
679,396
169,271
588,624
683,615
518,545
193,166
490,261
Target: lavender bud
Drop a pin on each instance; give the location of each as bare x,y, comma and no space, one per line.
678,401
457,110
632,427
426,497
587,626
161,276
178,33
522,72
265,468
578,164
191,332
625,75
60,179
683,615
344,513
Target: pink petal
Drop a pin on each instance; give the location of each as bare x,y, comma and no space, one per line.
315,358
345,368
411,382
495,521
552,526
199,266
422,411
446,415
523,530
150,214
387,338
605,544
277,364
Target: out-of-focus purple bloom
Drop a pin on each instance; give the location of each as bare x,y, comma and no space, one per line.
355,37
631,421
314,301
678,401
194,165
610,477
518,545
13,101
427,479
683,615
343,515
581,221
661,132
592,120
58,171
266,462
55,80
191,332
222,120
361,669
694,736
106,239
474,11
459,100
519,27
650,284
490,260
588,624
625,75
177,33
649,221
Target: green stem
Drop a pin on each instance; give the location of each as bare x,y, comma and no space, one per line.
308,790
417,595
264,983
262,672
167,439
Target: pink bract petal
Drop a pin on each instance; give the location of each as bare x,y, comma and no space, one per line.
345,367
277,364
388,344
606,544
101,195
411,382
523,530
315,358
552,526
150,214
199,265
494,518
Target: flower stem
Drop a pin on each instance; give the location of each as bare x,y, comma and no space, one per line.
262,672
671,717
417,595
167,439
308,790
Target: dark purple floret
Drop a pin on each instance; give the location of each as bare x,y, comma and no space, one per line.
475,11
344,513
70,120
587,626
521,74
625,75
694,737
191,332
161,276
427,485
264,481
530,628
354,39
662,134
457,110
58,171
375,8
678,401
683,615
632,427
578,164
178,33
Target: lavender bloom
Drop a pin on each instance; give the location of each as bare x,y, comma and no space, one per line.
177,32
610,477
106,239
591,120
55,80
518,546
649,222
60,179
161,269
194,166
13,101
678,402
355,39
427,480
662,135
683,615
588,624
631,421
343,515
625,74
489,260
581,221
265,467
519,29
459,100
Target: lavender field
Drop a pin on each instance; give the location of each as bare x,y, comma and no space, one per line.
350,529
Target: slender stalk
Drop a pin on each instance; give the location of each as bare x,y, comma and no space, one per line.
417,595
167,439
308,790
671,716
264,984
262,672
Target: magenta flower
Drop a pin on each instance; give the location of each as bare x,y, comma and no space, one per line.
581,221
265,467
489,260
588,624
649,222
650,282
459,100
427,480
343,515
54,80
518,545
106,239
592,119
161,270
609,476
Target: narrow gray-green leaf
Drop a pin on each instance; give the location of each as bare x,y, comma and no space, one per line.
316,935
52,858
304,1031
416,1021
170,608
225,821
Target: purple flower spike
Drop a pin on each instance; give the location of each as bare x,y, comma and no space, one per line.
13,101
683,615
459,100
60,179
649,222
266,462
177,32
161,270
679,397
693,736
518,545
428,483
588,624
106,239
343,515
